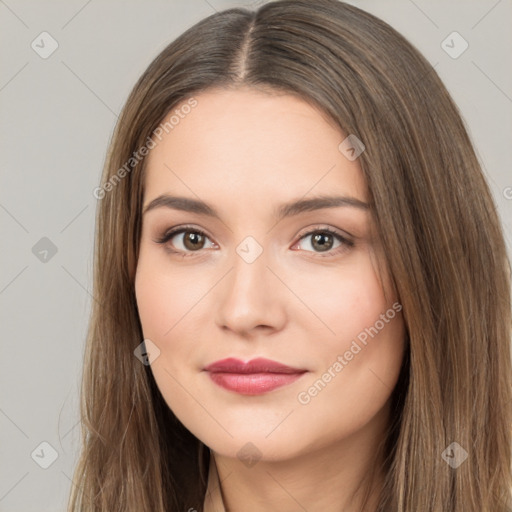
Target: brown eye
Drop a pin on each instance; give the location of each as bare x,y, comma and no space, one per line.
322,241
193,240
325,240
184,240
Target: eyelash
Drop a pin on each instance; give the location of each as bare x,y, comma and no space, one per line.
346,243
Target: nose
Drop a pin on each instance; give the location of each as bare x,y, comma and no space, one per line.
251,298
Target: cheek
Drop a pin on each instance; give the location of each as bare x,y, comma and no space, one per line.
166,297
165,303
358,375
355,372
344,303
173,308
359,348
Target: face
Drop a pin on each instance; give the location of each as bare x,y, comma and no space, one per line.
243,277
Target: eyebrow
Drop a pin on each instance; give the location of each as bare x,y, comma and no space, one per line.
289,209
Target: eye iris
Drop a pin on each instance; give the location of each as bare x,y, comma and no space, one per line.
319,238
190,238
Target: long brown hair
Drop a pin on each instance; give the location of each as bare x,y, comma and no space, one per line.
440,234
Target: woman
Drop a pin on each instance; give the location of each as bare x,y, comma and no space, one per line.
303,292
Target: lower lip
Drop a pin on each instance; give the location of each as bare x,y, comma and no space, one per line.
253,383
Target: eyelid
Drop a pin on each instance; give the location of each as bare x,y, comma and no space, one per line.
324,227
346,242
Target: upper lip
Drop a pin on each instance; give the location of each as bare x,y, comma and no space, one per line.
258,365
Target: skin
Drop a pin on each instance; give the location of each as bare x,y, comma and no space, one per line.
245,152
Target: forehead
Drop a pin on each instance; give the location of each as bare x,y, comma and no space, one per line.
252,146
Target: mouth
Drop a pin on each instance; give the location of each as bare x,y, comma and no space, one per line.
254,377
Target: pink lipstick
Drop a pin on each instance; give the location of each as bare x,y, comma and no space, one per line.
254,377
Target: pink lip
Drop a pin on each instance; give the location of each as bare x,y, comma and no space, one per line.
254,377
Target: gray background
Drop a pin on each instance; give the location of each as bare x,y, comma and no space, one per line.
57,118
